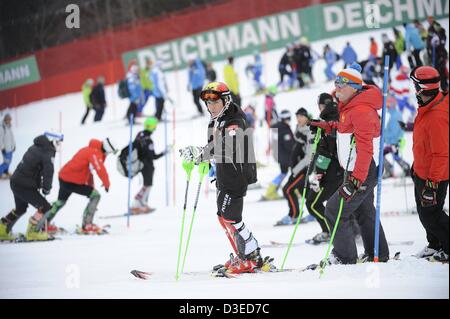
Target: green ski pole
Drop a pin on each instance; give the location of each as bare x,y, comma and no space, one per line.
341,205
203,169
316,141
188,167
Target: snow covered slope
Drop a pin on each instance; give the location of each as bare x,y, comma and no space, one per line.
98,267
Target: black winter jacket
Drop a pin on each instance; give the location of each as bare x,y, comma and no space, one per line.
285,142
145,148
231,147
35,170
327,162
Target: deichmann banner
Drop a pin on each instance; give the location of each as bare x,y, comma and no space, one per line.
19,72
275,31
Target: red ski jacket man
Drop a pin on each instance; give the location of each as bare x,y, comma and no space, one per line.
430,140
78,171
358,117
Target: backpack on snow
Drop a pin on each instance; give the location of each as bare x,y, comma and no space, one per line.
123,90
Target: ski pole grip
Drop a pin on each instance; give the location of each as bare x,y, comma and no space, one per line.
188,166
203,169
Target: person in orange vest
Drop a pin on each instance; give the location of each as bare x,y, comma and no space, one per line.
76,177
373,48
430,169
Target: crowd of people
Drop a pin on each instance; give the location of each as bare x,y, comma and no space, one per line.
333,169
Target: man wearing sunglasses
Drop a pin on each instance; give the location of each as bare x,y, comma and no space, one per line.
358,120
430,168
230,147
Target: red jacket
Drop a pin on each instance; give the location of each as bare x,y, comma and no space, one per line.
78,169
430,140
360,118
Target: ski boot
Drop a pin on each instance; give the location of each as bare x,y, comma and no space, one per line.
331,260
52,229
439,256
307,219
271,193
427,252
33,233
5,235
286,220
319,238
248,264
91,229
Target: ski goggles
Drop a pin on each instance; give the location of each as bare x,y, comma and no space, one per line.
342,81
210,95
424,84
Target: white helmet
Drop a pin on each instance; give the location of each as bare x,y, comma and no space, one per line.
54,137
285,115
109,146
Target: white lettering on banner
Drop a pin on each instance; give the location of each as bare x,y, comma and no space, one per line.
404,6
427,8
163,54
268,29
289,27
175,53
145,54
353,14
15,74
389,16
185,54
334,18
228,40
249,36
208,44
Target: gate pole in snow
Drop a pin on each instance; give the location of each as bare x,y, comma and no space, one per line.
129,169
380,160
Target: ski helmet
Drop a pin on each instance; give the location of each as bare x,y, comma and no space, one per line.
285,115
426,80
109,146
215,91
54,137
150,123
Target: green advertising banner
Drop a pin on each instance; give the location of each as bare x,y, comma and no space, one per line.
19,72
275,31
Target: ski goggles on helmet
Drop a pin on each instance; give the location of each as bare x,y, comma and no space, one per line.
426,84
209,95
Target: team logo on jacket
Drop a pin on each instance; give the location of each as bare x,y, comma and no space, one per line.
232,129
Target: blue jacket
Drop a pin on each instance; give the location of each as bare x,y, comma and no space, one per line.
197,75
330,57
257,67
393,132
134,87
159,82
349,55
412,38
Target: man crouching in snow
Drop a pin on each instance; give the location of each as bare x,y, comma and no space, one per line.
358,120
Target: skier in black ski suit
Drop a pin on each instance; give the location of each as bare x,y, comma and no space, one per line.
230,147
327,175
33,174
143,163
